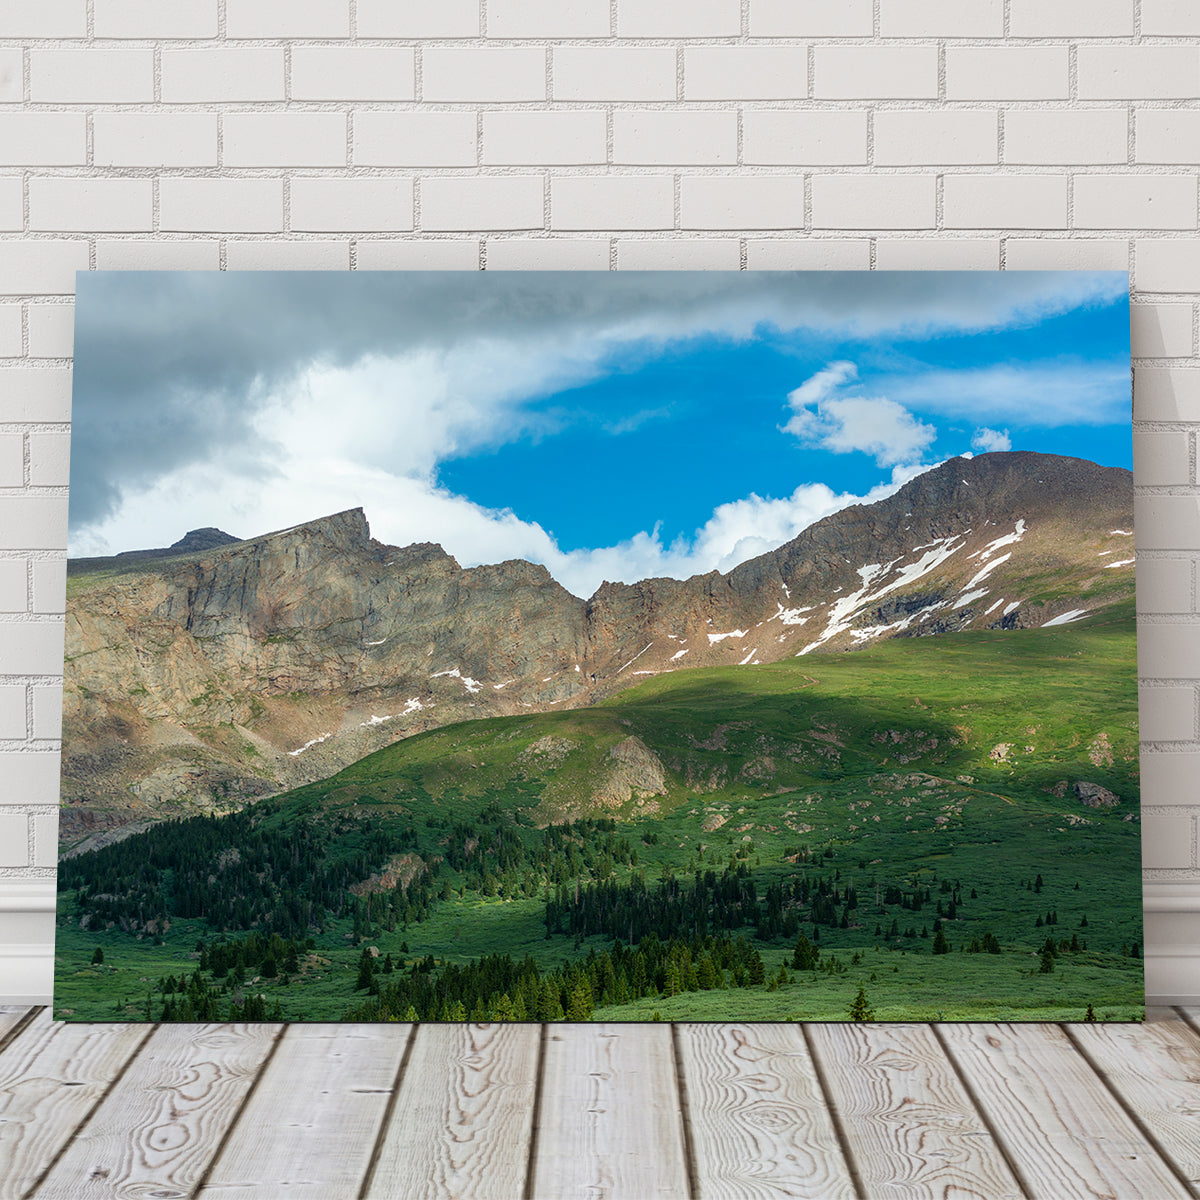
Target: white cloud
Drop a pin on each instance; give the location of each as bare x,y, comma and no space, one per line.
987,440
874,425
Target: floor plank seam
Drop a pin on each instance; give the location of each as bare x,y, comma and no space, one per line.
1186,1018
835,1116
91,1112
223,1141
981,1111
685,1117
536,1116
388,1109
1130,1112
20,1027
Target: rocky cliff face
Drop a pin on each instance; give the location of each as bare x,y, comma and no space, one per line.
222,671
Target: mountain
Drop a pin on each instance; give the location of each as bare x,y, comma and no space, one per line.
218,672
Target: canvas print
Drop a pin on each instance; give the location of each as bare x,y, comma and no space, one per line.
580,646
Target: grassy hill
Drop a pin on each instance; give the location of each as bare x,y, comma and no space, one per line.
978,787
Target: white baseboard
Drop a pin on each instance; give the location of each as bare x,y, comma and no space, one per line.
26,974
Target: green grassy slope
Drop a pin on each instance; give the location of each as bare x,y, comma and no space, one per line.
946,764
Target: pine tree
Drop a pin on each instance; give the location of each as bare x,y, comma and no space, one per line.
940,945
1090,1015
97,957
860,1010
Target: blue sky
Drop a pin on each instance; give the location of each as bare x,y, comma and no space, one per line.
611,426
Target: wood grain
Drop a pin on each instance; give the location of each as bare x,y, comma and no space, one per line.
760,1128
1061,1127
610,1120
11,1017
159,1127
51,1076
1155,1069
311,1125
461,1123
909,1124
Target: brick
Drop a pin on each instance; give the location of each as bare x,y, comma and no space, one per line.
41,267
51,330
12,76
1129,201
49,459
941,18
1065,254
875,72
291,139
1167,714
287,18
109,204
49,585
158,254
1169,18
45,839
30,777
91,76
483,202
12,460
1160,330
47,711
873,202
191,204
12,215
1166,135
1167,841
1166,394
12,713
30,647
1060,136
657,254
612,202
14,586
742,202
808,254
745,73
1164,585
910,137
444,254
1138,72
35,394
1004,201
613,73
155,18
1007,73
547,18
1167,265
937,254
350,205
786,137
415,139
172,139
10,332
1170,779
1161,458
1072,18
811,18
353,73
678,18
547,254
666,136
1168,523
1168,651
218,76
45,19
43,139
465,75
556,138
14,840
418,19
33,523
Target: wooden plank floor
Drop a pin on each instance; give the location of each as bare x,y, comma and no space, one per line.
599,1112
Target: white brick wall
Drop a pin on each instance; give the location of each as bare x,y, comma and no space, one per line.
584,134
